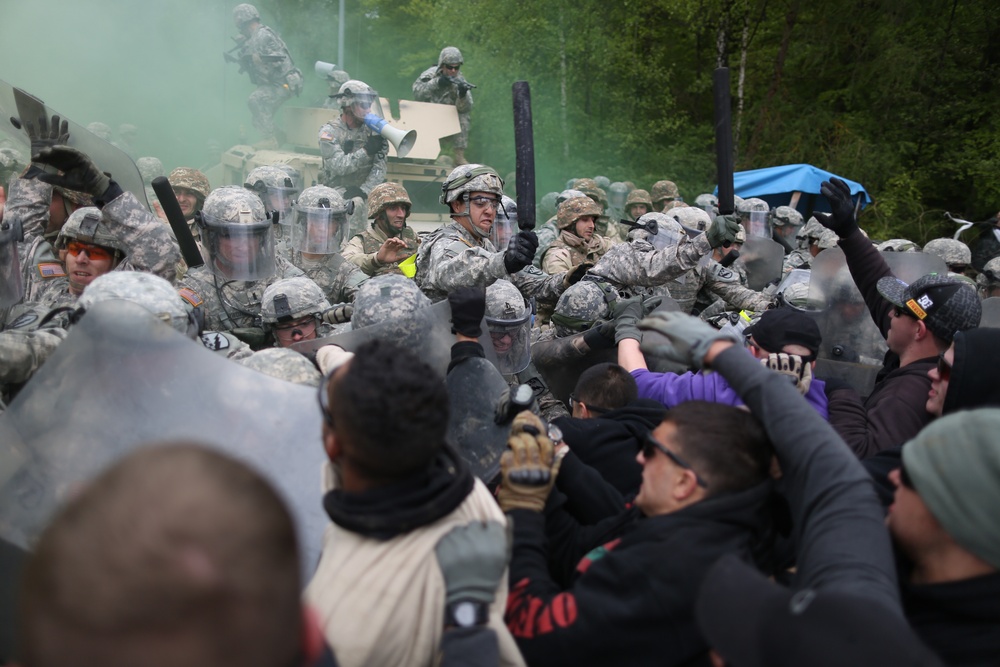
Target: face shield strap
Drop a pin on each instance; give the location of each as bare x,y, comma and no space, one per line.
650,226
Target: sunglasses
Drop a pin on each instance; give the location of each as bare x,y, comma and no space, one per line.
594,409
899,311
944,368
453,68
93,252
651,446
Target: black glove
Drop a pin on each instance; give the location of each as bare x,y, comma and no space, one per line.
47,135
520,251
354,191
468,305
375,145
842,222
577,274
443,81
79,171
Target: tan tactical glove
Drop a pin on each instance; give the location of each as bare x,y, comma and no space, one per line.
528,467
793,367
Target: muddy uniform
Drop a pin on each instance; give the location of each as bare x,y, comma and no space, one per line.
451,257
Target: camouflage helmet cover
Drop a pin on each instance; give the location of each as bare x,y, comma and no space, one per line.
569,193
284,364
639,196
290,299
547,205
952,251
225,205
589,187
572,210
143,289
349,90
388,297
603,182
706,199
267,176
386,194
667,227
581,305
898,245
664,190
786,215
691,217
618,188
87,225
504,302
313,197
450,55
149,168
190,178
989,277
245,13
468,178
752,205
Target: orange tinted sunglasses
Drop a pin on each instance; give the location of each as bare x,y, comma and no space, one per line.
93,251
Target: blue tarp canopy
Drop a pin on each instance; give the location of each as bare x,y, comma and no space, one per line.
775,185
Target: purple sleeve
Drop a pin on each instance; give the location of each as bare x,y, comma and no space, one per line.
672,389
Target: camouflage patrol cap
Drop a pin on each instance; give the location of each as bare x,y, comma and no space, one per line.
547,205
786,215
952,251
290,299
387,194
505,302
190,178
468,178
245,13
638,196
100,129
150,291
603,182
752,205
691,217
898,245
572,210
664,190
87,225
946,305
149,168
812,229
388,297
226,203
450,55
581,305
284,364
706,199
988,278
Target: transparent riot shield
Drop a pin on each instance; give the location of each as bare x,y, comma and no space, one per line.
11,285
18,106
762,258
427,332
909,266
122,380
991,313
474,390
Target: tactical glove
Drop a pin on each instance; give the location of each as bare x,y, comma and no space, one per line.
374,145
79,171
842,222
339,314
683,338
354,191
723,230
577,274
47,135
468,305
792,366
627,313
529,466
520,251
331,357
473,559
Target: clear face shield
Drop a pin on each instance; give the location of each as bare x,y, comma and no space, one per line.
617,198
318,231
280,200
512,342
757,224
666,237
11,286
505,224
363,104
239,251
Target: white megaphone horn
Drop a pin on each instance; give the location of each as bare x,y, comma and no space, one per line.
401,139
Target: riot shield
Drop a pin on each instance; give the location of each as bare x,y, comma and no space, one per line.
11,285
762,258
991,313
909,266
474,389
427,332
17,106
122,380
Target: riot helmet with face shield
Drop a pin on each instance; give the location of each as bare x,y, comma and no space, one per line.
508,317
291,309
505,224
318,221
275,188
658,229
238,233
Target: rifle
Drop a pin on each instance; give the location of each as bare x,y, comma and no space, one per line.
463,85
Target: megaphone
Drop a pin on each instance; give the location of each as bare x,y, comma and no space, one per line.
401,139
324,69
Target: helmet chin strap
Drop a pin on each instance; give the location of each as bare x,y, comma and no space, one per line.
467,213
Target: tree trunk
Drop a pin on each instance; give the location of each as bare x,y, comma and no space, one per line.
563,105
744,47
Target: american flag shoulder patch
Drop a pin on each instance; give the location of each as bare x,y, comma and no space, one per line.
325,134
51,270
190,296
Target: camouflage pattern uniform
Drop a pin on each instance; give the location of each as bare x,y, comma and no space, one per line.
548,232
284,364
271,69
989,278
898,245
952,251
149,168
189,178
723,282
363,248
302,298
664,192
603,225
582,305
429,88
569,250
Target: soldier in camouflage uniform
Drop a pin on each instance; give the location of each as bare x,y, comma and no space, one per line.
708,202
577,242
549,231
602,226
582,306
190,187
755,216
241,263
617,195
379,250
292,310
785,224
988,280
808,239
265,58
955,254
657,252
278,191
460,254
317,224
353,156
663,193
101,130
149,168
443,84
898,245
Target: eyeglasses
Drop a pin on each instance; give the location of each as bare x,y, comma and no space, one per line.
483,202
286,332
944,368
650,446
93,251
592,408
324,400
